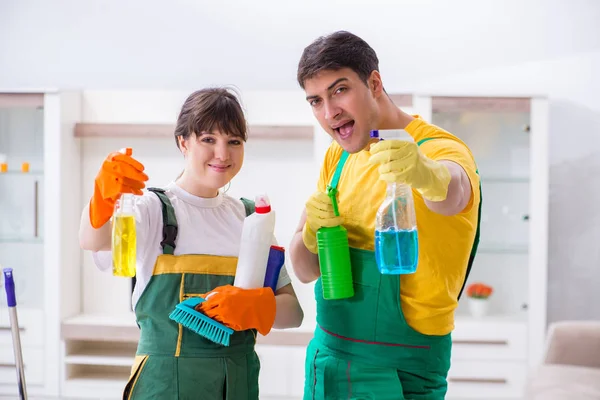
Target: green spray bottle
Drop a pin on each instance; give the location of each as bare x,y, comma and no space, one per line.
334,257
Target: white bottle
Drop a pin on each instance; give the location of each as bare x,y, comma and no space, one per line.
257,238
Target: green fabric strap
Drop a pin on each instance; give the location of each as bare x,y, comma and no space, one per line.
338,171
169,222
477,231
248,205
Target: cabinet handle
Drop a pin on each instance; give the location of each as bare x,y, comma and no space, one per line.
497,381
7,329
482,342
7,365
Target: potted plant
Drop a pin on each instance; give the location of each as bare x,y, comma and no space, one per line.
479,294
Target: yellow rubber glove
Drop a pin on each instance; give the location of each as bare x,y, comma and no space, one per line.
402,162
120,173
319,213
241,309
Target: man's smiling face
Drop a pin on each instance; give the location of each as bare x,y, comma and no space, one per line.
344,106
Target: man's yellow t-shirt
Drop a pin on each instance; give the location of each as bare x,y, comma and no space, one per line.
430,295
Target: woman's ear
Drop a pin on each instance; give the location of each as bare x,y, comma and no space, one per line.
182,145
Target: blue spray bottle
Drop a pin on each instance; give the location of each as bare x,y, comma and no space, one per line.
396,239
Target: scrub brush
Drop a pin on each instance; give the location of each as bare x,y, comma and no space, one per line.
185,314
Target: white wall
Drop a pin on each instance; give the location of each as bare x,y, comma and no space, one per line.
182,44
465,46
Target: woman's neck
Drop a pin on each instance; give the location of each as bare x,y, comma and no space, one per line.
193,187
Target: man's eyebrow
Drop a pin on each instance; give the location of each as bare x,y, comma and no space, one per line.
328,88
336,82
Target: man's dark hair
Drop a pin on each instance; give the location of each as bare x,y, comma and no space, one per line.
336,51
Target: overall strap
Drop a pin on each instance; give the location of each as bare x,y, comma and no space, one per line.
338,171
169,221
477,230
248,205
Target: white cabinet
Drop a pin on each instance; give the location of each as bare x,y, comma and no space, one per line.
509,140
37,205
76,321
21,234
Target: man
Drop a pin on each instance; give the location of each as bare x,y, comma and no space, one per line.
391,340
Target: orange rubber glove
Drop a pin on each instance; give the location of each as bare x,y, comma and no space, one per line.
120,173
241,309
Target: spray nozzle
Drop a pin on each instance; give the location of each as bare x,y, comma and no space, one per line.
332,193
262,204
391,134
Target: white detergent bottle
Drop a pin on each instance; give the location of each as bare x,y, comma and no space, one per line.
257,238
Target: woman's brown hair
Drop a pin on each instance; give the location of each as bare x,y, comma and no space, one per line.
211,109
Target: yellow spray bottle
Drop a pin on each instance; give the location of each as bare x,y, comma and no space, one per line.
124,239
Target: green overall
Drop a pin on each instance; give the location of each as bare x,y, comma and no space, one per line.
363,347
173,362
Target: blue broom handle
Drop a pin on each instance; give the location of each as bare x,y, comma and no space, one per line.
9,285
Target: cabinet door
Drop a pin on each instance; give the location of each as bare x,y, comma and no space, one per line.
496,130
21,208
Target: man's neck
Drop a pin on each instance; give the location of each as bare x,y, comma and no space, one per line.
391,117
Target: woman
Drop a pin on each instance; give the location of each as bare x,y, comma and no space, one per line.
190,251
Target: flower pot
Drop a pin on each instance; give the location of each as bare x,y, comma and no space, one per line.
478,307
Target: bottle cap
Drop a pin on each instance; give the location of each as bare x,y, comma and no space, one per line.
391,134
262,204
127,202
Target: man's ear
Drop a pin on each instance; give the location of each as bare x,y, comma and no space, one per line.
375,84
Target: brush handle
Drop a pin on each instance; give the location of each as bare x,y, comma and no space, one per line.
9,285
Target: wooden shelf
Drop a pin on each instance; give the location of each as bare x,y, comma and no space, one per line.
103,358
105,375
98,130
285,338
100,353
101,328
402,100
445,104
124,329
18,100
